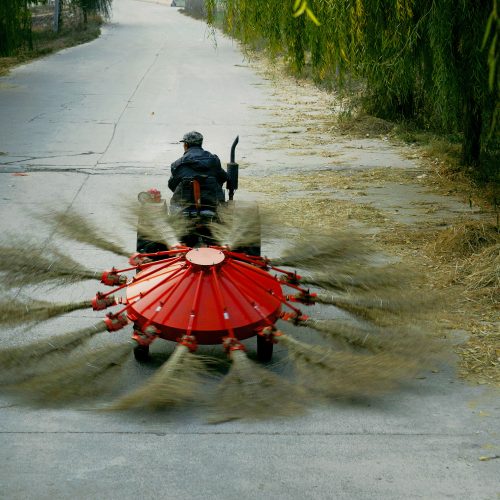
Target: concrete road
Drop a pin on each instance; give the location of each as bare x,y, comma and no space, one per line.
88,128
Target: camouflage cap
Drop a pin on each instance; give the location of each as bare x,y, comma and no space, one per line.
194,138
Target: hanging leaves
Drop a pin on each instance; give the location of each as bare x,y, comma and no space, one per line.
300,7
433,62
491,36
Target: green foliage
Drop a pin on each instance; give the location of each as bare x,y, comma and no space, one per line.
491,38
433,62
88,7
300,7
15,25
490,43
15,21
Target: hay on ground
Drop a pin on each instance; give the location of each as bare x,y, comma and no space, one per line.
466,239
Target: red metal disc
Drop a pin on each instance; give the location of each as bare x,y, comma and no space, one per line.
205,293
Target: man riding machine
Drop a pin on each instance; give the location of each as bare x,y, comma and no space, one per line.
196,181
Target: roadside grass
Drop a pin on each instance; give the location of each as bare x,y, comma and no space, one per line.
45,41
440,153
456,254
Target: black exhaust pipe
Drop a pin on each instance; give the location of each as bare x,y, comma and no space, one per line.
232,170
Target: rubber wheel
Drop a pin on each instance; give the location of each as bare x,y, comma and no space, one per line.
141,353
252,251
264,349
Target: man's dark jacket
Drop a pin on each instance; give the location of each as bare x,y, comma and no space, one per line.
196,162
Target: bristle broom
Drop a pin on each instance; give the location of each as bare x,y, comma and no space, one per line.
14,312
26,264
410,342
86,375
356,278
377,306
77,227
324,250
250,391
237,228
176,381
346,374
17,360
154,224
356,336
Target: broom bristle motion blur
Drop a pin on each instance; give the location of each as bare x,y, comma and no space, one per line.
371,360
14,312
404,341
27,264
86,375
335,373
364,337
379,307
357,278
237,227
324,250
250,391
77,227
176,381
153,223
16,361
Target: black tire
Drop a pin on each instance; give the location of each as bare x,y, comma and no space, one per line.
141,353
252,251
264,349
147,246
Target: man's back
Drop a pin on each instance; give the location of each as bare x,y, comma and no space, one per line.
201,164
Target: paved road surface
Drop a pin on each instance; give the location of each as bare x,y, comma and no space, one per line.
93,125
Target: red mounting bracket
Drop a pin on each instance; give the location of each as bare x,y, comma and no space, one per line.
116,322
147,336
295,318
101,301
188,341
232,344
112,278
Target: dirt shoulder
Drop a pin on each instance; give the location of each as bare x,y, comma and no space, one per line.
358,173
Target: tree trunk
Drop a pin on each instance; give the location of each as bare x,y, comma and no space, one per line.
473,124
60,19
